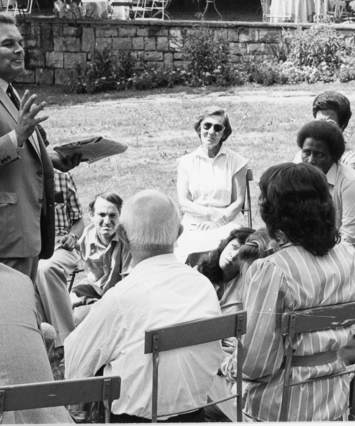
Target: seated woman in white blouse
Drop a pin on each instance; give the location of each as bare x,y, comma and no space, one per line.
211,185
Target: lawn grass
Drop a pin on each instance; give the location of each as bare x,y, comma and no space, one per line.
158,128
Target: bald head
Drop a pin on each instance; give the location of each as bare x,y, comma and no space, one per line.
151,220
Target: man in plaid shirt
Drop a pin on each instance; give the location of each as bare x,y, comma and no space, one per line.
54,305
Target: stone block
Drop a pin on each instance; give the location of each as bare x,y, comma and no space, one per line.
57,30
178,56
58,44
163,44
71,44
46,37
61,77
72,59
102,42
34,58
175,40
149,43
237,48
127,31
233,35
168,60
157,31
106,32
31,43
153,56
54,59
269,35
27,77
72,31
88,40
122,43
256,48
142,32
138,43
44,77
247,34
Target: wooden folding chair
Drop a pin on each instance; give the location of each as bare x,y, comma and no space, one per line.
195,333
246,209
60,392
306,321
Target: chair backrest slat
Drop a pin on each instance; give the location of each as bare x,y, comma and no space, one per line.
60,392
319,319
196,332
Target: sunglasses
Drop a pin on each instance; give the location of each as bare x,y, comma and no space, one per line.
216,127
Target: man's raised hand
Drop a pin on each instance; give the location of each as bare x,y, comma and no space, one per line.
28,117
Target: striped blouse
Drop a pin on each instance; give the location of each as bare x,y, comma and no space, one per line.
293,279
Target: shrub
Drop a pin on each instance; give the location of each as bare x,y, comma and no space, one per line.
314,47
105,72
207,54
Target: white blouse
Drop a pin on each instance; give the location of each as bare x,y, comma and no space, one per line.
210,180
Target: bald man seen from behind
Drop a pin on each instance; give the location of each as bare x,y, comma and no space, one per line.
158,292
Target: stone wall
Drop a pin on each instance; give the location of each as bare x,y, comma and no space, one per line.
55,46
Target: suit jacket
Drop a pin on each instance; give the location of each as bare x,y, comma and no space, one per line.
26,192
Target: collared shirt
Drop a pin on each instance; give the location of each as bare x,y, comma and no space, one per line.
341,180
158,292
294,279
67,206
104,264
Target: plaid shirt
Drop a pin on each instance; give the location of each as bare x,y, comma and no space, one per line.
67,206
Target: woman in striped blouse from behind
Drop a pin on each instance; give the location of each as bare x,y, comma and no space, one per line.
312,268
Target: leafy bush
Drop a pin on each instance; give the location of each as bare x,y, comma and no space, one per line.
316,46
208,59
105,72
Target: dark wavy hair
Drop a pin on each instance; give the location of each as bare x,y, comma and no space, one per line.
256,246
295,199
215,111
208,262
335,101
112,197
326,132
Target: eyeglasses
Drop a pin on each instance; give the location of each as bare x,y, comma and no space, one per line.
216,127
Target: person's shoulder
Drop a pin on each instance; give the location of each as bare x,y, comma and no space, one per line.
189,156
343,250
238,160
345,177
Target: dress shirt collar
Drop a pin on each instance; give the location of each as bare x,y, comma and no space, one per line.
93,239
3,85
200,152
160,259
332,174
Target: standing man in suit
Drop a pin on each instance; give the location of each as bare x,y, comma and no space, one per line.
26,169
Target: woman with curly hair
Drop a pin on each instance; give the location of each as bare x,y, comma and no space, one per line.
211,183
322,145
310,269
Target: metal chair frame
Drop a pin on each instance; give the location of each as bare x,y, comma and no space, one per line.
247,202
328,317
60,392
195,333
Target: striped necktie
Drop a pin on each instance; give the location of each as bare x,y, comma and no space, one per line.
13,96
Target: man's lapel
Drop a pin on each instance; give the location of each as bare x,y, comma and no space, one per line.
8,104
12,110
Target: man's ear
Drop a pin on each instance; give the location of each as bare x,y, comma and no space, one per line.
180,231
